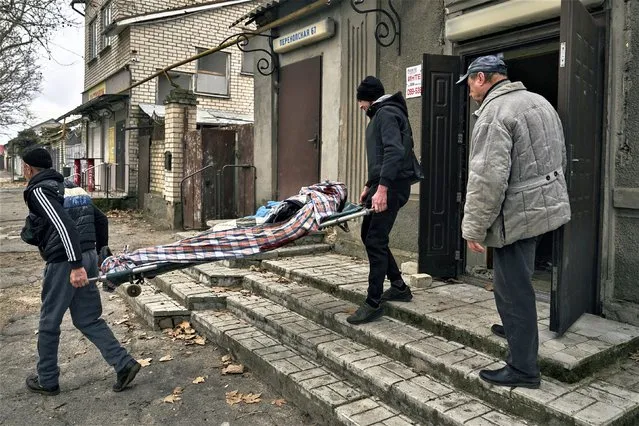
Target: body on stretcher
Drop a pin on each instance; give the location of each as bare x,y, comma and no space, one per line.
133,277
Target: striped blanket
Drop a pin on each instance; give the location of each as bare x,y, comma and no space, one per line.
323,200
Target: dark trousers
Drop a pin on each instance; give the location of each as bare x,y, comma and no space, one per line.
85,306
515,299
376,229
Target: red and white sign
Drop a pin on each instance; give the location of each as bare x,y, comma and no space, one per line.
414,81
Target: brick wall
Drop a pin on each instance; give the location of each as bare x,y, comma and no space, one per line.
157,167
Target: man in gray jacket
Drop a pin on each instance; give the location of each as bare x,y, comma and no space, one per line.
516,192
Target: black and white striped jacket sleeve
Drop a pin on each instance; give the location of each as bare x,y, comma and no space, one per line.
46,205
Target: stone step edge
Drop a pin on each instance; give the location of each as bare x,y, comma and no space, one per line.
157,309
309,386
189,292
549,367
518,401
278,253
399,391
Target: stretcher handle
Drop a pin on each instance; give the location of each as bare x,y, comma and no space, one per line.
333,222
117,276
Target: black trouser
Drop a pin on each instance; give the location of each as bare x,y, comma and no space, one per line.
375,231
514,265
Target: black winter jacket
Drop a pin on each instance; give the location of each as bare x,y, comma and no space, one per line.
62,220
389,143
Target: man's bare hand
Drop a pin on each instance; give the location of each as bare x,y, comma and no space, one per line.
79,277
380,199
476,247
364,194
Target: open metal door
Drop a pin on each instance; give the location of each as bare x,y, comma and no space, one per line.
440,191
580,104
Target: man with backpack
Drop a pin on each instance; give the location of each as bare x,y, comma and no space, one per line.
392,169
67,229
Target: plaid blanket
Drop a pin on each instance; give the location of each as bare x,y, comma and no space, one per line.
323,200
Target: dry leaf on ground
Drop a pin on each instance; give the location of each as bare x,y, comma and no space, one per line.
279,402
198,380
166,358
489,287
122,321
145,362
175,396
233,369
226,359
235,397
252,398
200,340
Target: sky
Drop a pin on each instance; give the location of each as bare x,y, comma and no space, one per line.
62,75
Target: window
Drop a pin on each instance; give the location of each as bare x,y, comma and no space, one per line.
248,62
107,19
183,80
212,74
93,39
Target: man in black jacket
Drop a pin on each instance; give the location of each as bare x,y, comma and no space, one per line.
392,169
67,229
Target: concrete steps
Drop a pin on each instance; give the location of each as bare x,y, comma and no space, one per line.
292,333
464,313
327,396
420,395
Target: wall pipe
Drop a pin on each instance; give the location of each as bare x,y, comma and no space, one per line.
307,10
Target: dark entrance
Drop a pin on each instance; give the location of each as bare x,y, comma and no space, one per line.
566,67
299,124
120,156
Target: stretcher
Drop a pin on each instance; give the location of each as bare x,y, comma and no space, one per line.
131,271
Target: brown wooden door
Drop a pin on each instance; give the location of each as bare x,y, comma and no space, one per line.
440,191
580,105
299,121
217,184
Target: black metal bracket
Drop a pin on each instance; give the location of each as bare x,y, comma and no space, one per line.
265,66
385,32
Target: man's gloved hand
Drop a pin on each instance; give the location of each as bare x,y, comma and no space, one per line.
79,277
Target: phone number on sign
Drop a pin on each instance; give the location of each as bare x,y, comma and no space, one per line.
414,91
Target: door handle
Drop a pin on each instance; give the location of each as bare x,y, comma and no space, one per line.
314,140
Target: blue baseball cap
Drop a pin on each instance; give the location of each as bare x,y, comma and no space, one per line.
490,63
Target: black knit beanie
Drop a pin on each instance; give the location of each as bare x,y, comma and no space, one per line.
370,89
38,157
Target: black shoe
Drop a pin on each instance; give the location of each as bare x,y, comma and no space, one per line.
34,386
507,377
397,295
365,313
498,330
126,376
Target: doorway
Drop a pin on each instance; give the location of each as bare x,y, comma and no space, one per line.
299,125
537,67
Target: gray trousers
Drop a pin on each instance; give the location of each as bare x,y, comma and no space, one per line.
515,299
85,306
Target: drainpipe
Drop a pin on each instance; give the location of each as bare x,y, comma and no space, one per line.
74,2
307,10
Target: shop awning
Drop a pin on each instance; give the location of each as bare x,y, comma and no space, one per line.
204,115
98,103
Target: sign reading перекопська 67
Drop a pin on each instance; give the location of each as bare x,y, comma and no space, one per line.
304,36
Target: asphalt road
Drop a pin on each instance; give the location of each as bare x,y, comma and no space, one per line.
86,397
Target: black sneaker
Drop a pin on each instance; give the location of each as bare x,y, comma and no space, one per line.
126,376
397,295
34,386
498,330
365,313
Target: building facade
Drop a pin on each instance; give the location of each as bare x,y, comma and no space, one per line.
580,55
126,42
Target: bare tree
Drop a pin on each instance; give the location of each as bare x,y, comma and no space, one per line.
25,29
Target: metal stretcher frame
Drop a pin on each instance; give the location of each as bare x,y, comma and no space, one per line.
136,275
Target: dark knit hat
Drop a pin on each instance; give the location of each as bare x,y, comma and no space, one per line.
370,89
38,157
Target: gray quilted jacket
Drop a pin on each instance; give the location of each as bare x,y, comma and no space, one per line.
516,186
